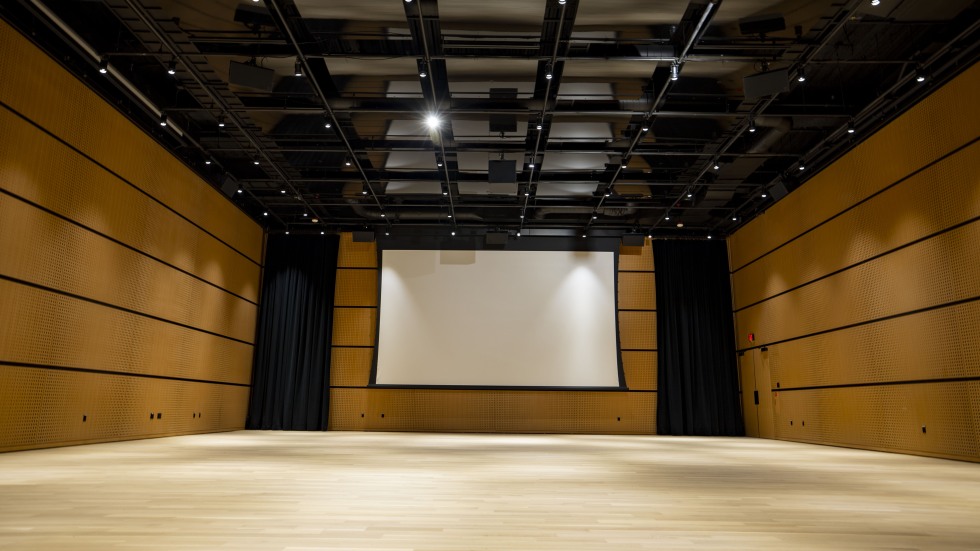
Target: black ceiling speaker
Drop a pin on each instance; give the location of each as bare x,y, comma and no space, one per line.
762,24
229,185
633,239
766,83
496,238
252,76
503,123
363,236
503,171
778,190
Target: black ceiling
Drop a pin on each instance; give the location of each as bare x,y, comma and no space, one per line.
622,147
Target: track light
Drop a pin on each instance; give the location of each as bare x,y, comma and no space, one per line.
315,220
716,166
801,76
266,213
548,72
282,191
561,2
764,195
645,128
433,121
751,125
221,121
207,161
104,65
875,2
674,71
439,164
452,233
518,233
326,121
298,69
163,119
667,217
445,193
802,166
709,236
387,233
539,126
241,190
383,215
423,70
531,165
850,127
172,67
689,195
305,214
920,75
347,161
584,235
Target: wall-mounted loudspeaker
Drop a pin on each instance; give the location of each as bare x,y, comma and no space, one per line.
633,239
363,236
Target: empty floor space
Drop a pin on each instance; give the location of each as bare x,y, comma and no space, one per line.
403,491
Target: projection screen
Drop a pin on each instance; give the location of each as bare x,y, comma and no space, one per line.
497,318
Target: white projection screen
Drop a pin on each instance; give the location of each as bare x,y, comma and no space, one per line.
497,318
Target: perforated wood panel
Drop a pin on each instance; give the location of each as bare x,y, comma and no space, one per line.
939,197
43,249
639,259
350,366
638,330
356,255
354,326
636,291
356,288
936,344
492,411
945,120
936,271
640,369
39,327
887,417
44,171
44,407
38,88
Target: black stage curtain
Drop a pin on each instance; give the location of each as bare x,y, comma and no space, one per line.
291,367
697,380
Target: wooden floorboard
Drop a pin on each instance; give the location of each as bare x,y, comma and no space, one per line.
405,491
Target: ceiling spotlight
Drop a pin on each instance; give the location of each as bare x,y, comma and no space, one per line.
287,232
674,71
383,215
802,166
561,2
667,217
518,233
920,75
445,193
314,220
255,161
801,76
539,126
327,123
548,72
608,194
305,214
680,224
709,236
689,195
298,69
433,121
240,190
527,193
716,166
282,191
594,217
531,165
439,163
734,218
265,213
408,1
449,216
850,128
207,161
104,65
522,216
423,70
452,233
322,232
875,2
163,119
363,192
221,121
645,128
172,67
347,161
625,164
387,233
764,195
751,125
584,235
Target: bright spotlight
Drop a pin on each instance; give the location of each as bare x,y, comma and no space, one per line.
433,121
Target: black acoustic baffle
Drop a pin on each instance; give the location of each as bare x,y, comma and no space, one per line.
291,367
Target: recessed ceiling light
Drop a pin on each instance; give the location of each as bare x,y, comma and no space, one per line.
764,195
321,233
382,215
315,220
680,224
518,234
667,217
207,161
538,126
709,237
305,214
282,191
265,213
875,2
452,233
530,165
645,128
255,161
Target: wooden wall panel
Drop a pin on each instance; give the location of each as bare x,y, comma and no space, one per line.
356,288
938,197
493,411
44,328
940,123
354,326
351,366
640,369
636,291
638,330
356,255
40,169
888,418
869,324
636,259
82,263
44,407
41,90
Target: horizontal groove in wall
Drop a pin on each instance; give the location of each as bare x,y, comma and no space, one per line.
635,310
49,407
942,270
31,142
636,271
937,343
337,306
369,268
5,364
82,263
43,327
938,419
369,346
119,308
929,130
29,230
637,349
926,205
880,383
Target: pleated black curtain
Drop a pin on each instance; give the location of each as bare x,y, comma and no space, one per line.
697,380
291,367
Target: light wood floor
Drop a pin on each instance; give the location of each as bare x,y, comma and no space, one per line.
398,491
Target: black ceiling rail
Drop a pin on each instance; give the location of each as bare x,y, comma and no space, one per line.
301,58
